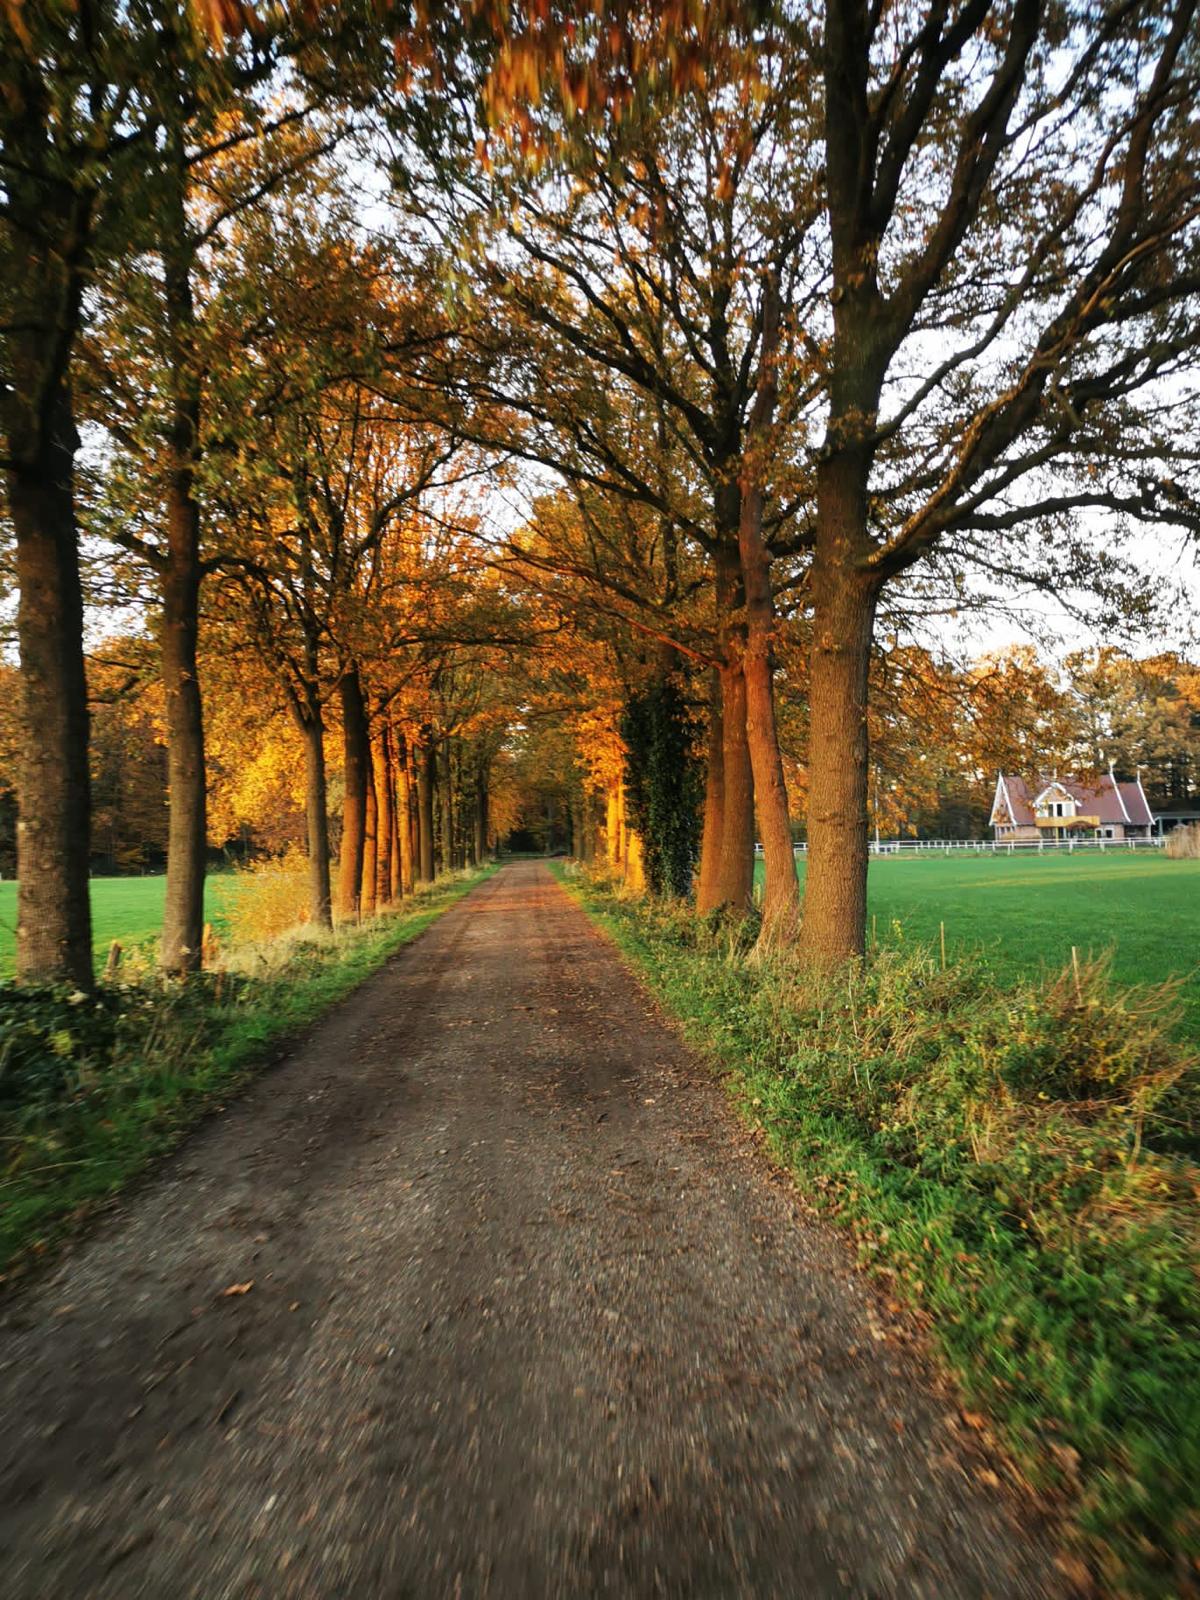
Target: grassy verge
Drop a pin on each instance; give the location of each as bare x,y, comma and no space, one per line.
92,1090
1020,1159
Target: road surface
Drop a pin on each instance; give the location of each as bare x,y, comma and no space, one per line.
484,1291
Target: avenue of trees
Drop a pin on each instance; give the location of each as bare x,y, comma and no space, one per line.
566,418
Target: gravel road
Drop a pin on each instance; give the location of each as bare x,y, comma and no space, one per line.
484,1291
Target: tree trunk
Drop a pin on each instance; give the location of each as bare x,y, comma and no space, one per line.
54,925
370,866
385,812
183,911
356,746
781,895
425,784
708,888
404,821
844,596
735,881
316,816
612,827
446,786
481,813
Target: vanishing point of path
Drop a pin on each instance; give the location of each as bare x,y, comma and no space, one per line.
524,1312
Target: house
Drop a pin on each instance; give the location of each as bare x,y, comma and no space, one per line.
1063,808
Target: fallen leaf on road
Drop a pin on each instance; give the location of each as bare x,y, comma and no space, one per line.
236,1288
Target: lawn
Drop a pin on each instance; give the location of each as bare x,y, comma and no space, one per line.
128,909
1027,912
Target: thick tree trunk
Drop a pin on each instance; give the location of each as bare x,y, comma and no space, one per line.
708,888
54,927
425,787
844,594
446,787
385,812
370,866
356,746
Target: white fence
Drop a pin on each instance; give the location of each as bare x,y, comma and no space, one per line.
995,847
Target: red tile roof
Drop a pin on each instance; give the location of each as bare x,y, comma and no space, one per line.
1107,799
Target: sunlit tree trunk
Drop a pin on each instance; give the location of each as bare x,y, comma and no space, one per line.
844,598
370,866
385,811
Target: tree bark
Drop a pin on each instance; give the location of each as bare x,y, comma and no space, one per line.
370,866
425,785
54,925
385,813
481,813
356,745
844,594
446,787
708,888
735,882
316,817
183,910
404,822
612,826
781,894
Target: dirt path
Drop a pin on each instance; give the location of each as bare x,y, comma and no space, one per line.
529,1315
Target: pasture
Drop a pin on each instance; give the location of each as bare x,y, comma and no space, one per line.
128,909
1025,912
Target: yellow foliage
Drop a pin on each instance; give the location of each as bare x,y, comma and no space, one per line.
268,898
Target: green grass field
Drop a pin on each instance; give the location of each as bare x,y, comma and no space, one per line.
128,909
1027,912
1024,912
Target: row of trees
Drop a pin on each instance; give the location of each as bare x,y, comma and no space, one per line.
853,311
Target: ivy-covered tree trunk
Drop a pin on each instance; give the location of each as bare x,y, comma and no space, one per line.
663,784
